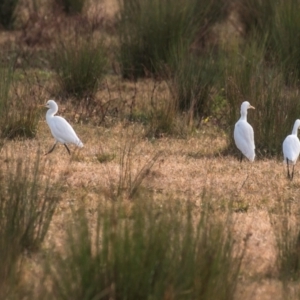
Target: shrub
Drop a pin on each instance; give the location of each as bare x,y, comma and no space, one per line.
7,10
147,251
79,65
149,30
27,204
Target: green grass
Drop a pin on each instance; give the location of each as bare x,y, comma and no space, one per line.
284,37
146,251
80,65
71,6
286,227
192,78
249,77
7,13
105,157
150,30
287,232
19,99
278,23
18,104
27,204
256,16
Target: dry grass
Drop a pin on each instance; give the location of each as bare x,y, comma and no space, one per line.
186,170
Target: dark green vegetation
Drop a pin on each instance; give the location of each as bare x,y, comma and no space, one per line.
141,248
71,6
150,31
79,64
7,10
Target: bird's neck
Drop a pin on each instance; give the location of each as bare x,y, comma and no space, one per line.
50,113
295,129
243,116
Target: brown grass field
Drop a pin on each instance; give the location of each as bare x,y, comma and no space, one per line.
187,166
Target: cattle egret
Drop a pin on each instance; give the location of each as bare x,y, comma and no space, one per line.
291,149
61,130
244,135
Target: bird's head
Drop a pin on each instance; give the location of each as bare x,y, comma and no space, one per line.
51,104
297,124
246,105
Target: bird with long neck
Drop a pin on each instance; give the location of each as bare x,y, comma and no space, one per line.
61,130
291,149
244,134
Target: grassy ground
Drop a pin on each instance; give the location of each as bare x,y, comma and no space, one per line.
185,170
123,158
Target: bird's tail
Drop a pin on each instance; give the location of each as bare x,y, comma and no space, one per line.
79,143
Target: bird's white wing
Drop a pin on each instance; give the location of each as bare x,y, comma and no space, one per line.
244,139
63,131
291,148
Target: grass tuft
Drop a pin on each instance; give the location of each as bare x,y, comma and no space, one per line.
146,251
27,204
192,79
149,30
278,23
105,157
130,180
18,104
80,65
248,77
7,13
287,232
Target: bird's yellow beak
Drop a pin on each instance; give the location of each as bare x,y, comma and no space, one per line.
251,107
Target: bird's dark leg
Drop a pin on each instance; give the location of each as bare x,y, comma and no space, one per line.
293,172
288,169
241,157
51,149
67,149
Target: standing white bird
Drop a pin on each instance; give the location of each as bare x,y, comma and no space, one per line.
61,130
244,135
291,149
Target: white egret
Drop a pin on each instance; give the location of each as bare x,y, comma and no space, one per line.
61,130
291,149
244,135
